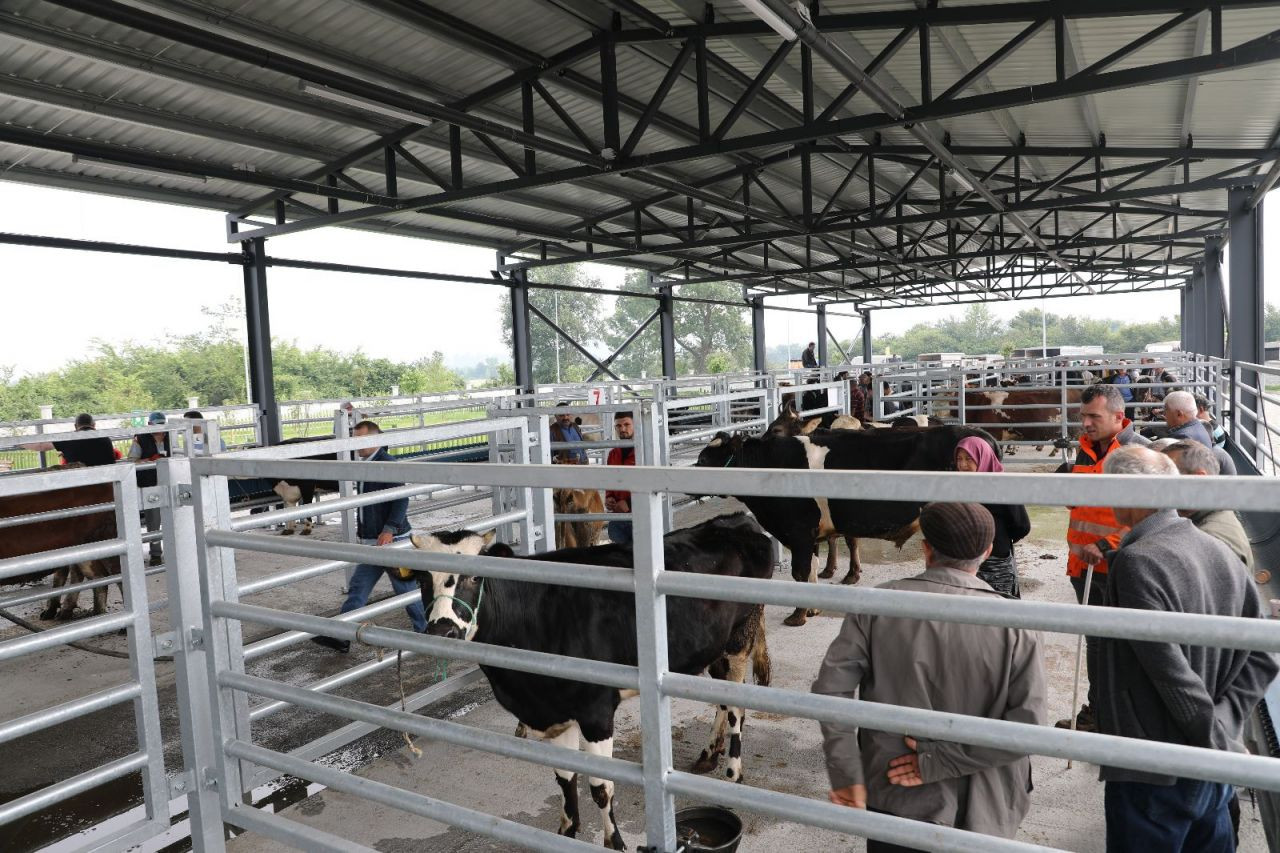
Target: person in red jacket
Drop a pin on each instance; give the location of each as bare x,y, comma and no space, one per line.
617,501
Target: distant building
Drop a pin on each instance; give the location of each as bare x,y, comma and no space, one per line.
940,358
1054,352
1164,346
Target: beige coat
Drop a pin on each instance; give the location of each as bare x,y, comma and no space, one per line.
978,670
1224,525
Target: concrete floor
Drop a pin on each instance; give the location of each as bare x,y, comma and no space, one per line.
780,753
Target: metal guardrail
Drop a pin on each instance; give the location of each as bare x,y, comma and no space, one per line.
239,756
147,757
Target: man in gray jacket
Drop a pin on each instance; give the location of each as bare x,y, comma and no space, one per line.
979,670
1195,460
1191,695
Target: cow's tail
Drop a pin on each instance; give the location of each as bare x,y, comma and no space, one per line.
761,666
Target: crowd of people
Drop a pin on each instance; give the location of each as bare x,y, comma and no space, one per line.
1141,559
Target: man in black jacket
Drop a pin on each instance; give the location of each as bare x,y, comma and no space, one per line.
379,524
1183,694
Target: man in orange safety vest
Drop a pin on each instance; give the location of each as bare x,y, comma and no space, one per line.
1093,531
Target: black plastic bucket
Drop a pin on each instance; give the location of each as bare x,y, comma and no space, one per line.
708,829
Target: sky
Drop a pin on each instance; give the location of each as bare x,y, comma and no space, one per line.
57,302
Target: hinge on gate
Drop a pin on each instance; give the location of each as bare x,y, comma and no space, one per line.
182,495
197,638
165,644
181,785
539,532
153,497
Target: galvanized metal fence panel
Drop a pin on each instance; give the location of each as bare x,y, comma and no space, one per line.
147,759
657,686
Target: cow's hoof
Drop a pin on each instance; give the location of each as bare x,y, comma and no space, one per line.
568,829
288,531
852,578
306,531
65,615
522,730
706,762
795,620
48,613
813,613
616,842
827,573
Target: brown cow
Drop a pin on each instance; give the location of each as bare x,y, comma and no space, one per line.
577,534
26,539
1002,421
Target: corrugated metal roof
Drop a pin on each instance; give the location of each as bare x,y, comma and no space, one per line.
72,76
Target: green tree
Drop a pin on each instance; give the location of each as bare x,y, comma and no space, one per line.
579,316
704,330
643,356
130,376
428,375
1271,324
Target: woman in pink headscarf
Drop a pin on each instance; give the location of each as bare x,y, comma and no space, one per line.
1000,570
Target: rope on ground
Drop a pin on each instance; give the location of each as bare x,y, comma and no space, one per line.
379,652
84,647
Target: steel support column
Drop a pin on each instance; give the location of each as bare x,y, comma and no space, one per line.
759,351
1246,342
667,321
1193,319
521,343
1214,305
821,311
257,315
1183,329
866,338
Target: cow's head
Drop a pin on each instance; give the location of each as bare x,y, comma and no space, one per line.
720,451
452,600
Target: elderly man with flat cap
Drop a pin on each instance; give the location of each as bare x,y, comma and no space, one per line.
978,670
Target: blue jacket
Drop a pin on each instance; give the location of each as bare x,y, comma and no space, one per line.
389,517
1122,379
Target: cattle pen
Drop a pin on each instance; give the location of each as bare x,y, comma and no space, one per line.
862,157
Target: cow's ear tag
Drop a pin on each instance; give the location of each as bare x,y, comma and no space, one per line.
810,426
490,536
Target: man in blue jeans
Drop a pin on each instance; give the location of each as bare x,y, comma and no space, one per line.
1176,693
379,524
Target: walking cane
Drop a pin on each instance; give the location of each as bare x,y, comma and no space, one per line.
1075,690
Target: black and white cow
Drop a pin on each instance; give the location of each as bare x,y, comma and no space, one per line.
800,523
719,637
296,492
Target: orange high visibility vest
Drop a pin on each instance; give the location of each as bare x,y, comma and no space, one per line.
1088,524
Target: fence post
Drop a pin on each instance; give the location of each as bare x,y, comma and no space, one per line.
221,641
350,527
44,459
533,529
195,715
1235,399
651,636
1066,416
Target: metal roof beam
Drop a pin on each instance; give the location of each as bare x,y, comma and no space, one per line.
841,62
972,211
949,15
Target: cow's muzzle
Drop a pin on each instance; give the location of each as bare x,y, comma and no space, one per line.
444,628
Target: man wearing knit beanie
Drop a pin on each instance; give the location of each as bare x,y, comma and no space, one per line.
978,670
